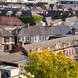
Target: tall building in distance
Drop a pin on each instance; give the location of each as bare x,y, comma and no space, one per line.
13,0
49,1
8,0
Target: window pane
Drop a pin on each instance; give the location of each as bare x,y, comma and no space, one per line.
6,39
13,39
6,47
66,53
13,46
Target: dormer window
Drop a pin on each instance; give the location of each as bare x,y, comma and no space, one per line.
19,13
9,13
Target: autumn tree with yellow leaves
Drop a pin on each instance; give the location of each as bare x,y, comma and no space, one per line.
47,64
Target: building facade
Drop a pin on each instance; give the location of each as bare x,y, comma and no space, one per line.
7,41
68,45
4,20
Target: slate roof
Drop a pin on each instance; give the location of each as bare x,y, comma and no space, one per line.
2,53
61,30
36,30
14,11
5,33
45,30
57,15
40,4
54,14
52,44
18,57
75,25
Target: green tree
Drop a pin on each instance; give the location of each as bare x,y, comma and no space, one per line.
30,19
47,64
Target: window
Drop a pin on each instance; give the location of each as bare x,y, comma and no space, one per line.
13,46
43,37
76,50
66,53
24,39
69,52
39,37
14,22
6,39
28,38
20,38
35,38
73,51
17,23
10,22
6,47
13,39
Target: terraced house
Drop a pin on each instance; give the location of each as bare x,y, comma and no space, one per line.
7,41
40,33
10,16
68,45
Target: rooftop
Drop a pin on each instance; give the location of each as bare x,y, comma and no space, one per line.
53,44
7,67
18,57
4,33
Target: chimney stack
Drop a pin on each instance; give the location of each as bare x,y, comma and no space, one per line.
28,25
73,31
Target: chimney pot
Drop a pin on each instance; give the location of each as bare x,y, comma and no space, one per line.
73,31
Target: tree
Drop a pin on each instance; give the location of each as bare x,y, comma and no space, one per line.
30,19
47,64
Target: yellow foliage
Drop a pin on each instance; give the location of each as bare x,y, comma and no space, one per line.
47,64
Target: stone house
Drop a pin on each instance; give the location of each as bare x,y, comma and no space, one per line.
33,34
7,41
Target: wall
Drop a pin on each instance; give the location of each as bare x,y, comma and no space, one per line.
7,43
39,38
4,20
11,0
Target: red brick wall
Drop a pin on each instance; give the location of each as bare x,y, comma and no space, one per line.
4,20
0,43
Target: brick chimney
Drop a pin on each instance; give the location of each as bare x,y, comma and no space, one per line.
28,25
51,24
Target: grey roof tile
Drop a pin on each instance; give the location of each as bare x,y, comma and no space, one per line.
36,30
18,57
61,30
2,53
45,30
